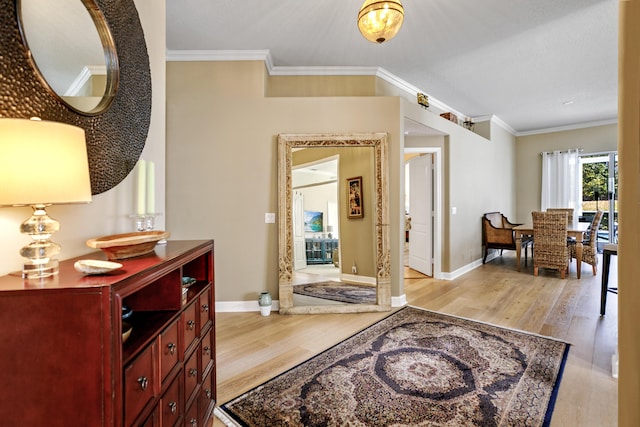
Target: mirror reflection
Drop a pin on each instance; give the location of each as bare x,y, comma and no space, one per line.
332,207
72,49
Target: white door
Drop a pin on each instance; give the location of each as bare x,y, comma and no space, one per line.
299,253
421,206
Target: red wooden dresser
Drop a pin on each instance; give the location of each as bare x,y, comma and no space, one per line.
62,357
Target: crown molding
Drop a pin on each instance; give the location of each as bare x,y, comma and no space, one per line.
504,125
218,55
279,70
568,127
85,75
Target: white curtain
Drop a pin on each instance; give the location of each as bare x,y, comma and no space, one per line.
561,180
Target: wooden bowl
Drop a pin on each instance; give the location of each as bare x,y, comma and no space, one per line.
128,245
126,331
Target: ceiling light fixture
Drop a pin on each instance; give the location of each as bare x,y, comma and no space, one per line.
380,21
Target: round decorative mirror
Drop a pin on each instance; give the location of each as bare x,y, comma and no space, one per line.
116,125
72,49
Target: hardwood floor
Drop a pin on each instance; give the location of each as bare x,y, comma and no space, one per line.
252,349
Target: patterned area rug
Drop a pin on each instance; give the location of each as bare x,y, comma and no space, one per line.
338,291
413,368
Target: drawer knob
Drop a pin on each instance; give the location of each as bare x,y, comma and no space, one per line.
205,308
191,324
172,348
207,391
207,350
173,406
144,382
194,422
193,372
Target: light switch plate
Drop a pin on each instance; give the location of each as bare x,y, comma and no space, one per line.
270,218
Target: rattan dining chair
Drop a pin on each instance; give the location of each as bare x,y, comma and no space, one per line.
589,244
568,211
550,248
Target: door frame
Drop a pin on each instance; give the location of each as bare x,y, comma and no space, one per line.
437,205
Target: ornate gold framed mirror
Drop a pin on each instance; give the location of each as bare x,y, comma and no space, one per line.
363,240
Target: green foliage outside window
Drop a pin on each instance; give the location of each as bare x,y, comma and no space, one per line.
594,179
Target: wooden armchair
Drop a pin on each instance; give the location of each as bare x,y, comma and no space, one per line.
497,233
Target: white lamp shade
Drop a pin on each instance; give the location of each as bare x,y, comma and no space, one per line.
42,162
380,20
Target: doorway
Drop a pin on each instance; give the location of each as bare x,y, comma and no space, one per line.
599,191
315,213
419,211
429,189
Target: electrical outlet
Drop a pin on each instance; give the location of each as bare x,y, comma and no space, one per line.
354,269
269,218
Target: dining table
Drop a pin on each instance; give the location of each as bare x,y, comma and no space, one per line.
575,229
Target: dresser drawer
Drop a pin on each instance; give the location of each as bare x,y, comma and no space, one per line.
153,420
169,351
171,404
191,375
205,311
191,420
139,383
189,326
207,395
206,350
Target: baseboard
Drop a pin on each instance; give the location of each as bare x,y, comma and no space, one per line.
248,306
242,306
462,270
400,301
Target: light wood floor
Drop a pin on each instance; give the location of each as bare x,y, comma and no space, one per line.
251,348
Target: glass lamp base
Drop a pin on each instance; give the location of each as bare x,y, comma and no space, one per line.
31,270
40,252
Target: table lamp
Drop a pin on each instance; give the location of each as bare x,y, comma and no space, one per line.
42,163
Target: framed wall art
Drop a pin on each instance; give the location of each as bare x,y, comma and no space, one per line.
355,203
313,221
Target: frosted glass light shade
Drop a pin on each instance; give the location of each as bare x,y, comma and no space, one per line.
380,21
42,163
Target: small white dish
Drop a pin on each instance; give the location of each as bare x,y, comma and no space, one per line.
95,266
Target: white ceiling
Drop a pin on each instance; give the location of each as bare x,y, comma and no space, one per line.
534,64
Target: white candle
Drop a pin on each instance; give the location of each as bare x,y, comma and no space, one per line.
142,186
151,190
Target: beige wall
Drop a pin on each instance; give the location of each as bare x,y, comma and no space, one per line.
222,165
478,177
108,212
208,123
595,139
214,136
301,86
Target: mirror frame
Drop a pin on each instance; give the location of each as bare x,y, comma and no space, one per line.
108,48
116,136
286,144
